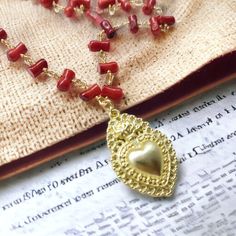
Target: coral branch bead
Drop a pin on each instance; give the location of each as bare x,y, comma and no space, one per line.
94,17
79,3
96,46
155,27
14,54
69,11
133,24
91,93
73,3
65,81
112,92
169,20
86,4
104,68
108,29
47,3
103,4
3,34
125,5
148,6
36,69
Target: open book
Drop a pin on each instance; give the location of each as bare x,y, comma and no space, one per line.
79,193
35,117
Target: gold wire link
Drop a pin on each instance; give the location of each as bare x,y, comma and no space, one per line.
105,103
116,27
158,10
57,8
109,78
6,43
27,59
165,28
137,3
102,56
79,11
80,83
51,74
112,9
101,35
143,24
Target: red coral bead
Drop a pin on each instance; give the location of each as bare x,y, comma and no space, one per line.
47,3
102,4
74,3
133,24
108,29
96,46
94,17
37,68
78,3
169,20
155,27
14,54
103,68
112,92
3,34
91,92
148,6
151,3
146,10
125,5
69,11
86,4
65,81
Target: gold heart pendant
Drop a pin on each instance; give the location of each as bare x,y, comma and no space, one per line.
142,158
147,159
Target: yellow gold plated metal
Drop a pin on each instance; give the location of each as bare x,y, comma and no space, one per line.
143,158
147,158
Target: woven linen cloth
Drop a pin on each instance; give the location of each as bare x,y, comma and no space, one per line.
34,115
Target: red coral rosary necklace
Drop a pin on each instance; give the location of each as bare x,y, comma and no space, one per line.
143,158
77,8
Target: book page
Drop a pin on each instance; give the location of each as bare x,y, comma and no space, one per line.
79,194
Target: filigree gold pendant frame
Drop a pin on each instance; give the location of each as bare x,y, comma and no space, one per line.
126,135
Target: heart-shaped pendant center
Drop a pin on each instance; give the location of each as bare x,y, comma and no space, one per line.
147,158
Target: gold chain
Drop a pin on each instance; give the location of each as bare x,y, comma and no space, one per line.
105,103
6,43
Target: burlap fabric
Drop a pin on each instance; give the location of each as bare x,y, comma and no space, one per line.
34,115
